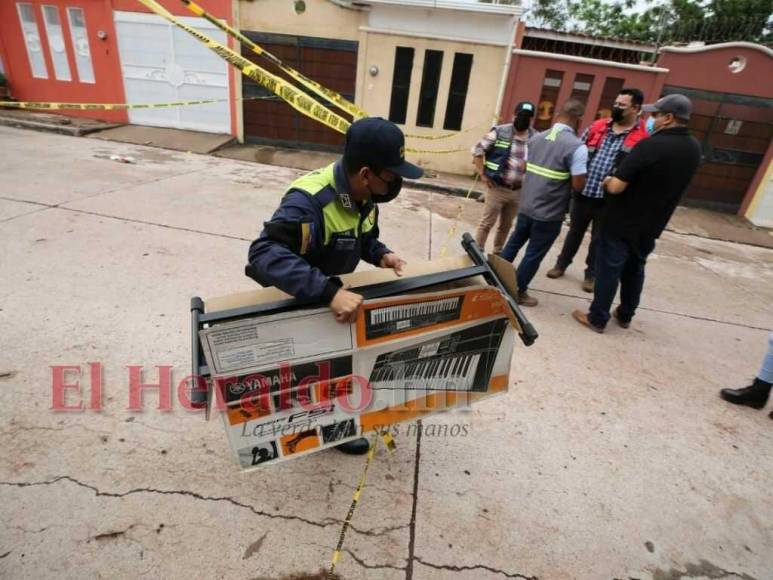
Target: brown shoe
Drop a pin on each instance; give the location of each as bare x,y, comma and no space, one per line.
556,272
582,318
588,284
620,323
525,300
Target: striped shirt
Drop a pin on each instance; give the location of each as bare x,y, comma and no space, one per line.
515,168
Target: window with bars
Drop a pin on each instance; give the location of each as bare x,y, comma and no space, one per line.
430,81
457,93
401,84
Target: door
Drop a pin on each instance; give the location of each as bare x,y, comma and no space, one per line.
162,63
332,63
62,51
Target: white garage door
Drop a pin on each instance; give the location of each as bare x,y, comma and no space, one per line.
161,63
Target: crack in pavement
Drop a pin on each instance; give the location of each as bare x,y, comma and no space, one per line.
91,196
476,567
375,532
372,566
680,314
127,220
414,506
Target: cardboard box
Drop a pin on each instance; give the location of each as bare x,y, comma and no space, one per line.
298,382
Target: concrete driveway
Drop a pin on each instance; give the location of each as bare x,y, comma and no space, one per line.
611,456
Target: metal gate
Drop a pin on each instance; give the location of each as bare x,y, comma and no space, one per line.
332,63
734,131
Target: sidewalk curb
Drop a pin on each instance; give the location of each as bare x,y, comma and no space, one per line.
427,185
71,129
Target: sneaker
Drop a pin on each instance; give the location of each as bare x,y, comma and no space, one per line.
556,272
587,284
525,300
582,318
620,323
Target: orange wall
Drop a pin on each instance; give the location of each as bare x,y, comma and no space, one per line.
527,73
108,87
707,70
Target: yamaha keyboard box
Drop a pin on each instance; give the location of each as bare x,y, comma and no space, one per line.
293,381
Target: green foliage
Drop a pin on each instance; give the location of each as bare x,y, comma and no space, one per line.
665,22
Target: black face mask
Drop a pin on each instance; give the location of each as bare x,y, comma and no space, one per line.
393,190
618,114
521,122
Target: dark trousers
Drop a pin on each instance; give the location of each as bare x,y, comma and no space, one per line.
584,210
618,261
540,236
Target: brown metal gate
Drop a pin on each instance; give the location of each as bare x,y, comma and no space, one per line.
734,131
332,63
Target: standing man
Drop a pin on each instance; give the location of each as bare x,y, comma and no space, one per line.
328,220
644,192
500,160
556,167
608,142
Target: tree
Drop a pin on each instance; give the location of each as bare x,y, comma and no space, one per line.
663,22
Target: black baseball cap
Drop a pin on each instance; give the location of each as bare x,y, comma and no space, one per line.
525,106
379,142
678,105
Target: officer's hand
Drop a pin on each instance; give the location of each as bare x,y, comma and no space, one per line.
393,261
345,305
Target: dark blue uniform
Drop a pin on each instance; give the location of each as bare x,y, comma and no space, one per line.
318,232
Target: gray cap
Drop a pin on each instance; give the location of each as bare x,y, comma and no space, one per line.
678,105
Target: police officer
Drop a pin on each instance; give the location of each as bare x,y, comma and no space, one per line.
328,220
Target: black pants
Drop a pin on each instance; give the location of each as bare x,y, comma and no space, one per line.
620,262
584,210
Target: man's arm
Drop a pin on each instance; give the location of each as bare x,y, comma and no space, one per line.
614,185
479,151
293,231
579,168
638,160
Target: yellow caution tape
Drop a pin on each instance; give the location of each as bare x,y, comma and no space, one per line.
292,95
430,151
112,106
353,506
452,229
446,136
313,86
389,441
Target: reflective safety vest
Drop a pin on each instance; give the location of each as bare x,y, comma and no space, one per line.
598,132
344,225
498,156
547,185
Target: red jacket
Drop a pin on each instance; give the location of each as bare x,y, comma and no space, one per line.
598,132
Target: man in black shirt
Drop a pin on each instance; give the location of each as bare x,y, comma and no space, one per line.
644,190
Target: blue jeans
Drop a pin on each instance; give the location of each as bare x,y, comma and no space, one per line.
540,236
766,372
618,261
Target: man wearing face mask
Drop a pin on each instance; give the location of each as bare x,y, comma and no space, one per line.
608,141
500,160
328,221
643,194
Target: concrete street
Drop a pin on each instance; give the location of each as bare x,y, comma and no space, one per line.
611,456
